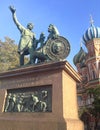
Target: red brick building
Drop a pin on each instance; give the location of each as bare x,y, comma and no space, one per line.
88,66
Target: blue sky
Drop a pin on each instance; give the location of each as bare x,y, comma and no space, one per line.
71,17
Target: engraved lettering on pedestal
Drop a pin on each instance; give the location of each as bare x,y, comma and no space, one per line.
20,82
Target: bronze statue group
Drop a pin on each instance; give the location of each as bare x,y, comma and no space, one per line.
28,44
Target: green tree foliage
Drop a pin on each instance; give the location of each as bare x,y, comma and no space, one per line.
95,109
96,103
9,57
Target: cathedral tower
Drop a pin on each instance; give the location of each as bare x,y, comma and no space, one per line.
91,40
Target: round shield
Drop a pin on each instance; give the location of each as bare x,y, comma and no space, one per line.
57,48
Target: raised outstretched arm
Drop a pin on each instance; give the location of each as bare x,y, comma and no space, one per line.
19,26
12,9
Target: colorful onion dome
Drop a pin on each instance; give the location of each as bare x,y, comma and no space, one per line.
80,57
91,32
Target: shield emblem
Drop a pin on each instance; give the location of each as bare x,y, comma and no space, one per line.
57,48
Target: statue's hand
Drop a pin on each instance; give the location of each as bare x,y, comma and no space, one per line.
12,9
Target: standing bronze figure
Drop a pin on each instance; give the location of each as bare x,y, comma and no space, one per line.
27,43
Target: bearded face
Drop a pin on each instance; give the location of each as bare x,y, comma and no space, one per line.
50,28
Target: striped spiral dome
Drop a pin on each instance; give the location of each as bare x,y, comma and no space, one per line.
91,32
79,57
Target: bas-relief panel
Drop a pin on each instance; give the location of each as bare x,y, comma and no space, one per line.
32,99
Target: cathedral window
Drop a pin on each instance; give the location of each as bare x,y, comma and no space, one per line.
93,74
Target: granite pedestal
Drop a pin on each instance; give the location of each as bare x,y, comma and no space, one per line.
59,80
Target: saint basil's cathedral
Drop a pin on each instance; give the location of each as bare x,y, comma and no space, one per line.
88,66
